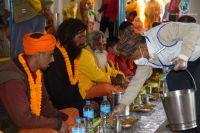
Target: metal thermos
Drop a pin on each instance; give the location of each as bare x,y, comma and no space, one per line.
113,102
118,127
149,90
138,100
180,107
145,98
116,97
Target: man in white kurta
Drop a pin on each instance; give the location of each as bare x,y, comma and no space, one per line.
176,44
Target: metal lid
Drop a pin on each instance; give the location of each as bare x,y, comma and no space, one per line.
114,92
120,92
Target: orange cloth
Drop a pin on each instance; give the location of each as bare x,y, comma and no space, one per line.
32,46
73,113
152,12
132,6
71,121
39,130
102,89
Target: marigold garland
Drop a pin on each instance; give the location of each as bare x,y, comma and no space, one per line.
73,79
35,87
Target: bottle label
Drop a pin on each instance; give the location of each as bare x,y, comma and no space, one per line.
78,131
88,114
105,109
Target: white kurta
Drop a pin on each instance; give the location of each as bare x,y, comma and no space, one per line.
165,42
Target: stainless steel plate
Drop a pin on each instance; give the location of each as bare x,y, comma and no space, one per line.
141,109
129,124
126,125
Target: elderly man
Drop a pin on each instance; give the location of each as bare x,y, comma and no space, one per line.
62,77
168,45
24,103
95,80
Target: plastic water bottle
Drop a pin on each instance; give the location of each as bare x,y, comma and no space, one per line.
88,113
78,128
105,113
105,107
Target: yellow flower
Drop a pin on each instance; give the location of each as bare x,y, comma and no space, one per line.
35,87
73,79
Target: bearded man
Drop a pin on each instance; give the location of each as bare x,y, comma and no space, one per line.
24,103
62,77
94,79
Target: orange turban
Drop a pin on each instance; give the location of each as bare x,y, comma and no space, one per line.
45,43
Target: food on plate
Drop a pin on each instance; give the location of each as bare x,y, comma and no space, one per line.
155,96
141,107
129,121
155,89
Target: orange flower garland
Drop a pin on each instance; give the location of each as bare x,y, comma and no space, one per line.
73,79
35,87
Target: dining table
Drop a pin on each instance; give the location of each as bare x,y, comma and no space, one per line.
151,121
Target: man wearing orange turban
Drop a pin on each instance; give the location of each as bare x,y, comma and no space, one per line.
32,45
24,101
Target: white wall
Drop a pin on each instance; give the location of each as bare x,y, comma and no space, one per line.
57,10
195,9
7,4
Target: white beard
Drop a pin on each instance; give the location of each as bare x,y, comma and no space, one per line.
101,57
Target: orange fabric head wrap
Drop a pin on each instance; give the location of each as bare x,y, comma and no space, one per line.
44,43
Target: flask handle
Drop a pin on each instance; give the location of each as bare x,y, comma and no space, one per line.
194,83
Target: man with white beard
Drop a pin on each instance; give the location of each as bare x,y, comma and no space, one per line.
101,55
95,78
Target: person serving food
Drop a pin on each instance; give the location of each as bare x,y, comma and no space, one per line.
169,44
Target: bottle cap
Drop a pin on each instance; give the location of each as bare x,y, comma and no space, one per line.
105,98
78,120
87,102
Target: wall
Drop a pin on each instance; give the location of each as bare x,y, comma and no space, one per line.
194,9
7,4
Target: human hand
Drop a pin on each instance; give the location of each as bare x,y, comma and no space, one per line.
115,51
118,110
64,116
180,64
127,81
64,128
95,105
118,80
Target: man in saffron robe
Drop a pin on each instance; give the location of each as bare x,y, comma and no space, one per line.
96,76
152,12
88,14
24,103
